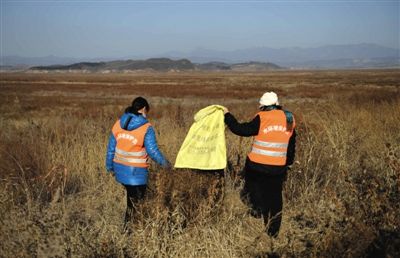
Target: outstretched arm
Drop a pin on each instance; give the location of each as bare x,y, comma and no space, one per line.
242,129
151,146
110,153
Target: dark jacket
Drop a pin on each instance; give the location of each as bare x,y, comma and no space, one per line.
252,128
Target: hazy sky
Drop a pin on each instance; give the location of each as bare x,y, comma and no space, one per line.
77,28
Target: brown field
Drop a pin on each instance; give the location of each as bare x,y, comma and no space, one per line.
341,198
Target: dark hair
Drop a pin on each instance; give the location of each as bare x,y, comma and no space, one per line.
270,107
137,104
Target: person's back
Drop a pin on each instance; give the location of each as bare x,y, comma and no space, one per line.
131,142
272,141
267,162
130,156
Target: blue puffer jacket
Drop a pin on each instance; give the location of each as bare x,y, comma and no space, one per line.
129,175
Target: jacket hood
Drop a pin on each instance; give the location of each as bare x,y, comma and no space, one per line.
134,121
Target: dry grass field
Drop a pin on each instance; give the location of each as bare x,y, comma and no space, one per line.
341,198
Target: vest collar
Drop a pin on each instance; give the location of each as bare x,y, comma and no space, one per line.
129,121
289,115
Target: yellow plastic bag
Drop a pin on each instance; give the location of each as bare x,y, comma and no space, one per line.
204,146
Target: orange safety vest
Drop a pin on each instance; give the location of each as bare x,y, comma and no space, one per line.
130,148
271,143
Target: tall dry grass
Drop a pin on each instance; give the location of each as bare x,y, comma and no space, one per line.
342,197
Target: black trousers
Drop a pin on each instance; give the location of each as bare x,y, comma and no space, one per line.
263,192
134,193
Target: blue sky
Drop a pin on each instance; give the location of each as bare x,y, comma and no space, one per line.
131,28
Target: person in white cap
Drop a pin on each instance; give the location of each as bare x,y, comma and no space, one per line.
267,163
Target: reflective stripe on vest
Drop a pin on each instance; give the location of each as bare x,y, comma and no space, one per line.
140,161
271,144
130,153
268,153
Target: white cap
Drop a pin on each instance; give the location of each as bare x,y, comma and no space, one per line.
269,98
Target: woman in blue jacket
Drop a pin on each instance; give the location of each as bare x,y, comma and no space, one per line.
131,142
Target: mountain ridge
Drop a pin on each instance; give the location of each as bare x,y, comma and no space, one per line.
298,57
157,64
362,55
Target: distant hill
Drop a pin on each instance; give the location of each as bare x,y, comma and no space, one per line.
158,64
243,67
155,64
212,66
254,66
